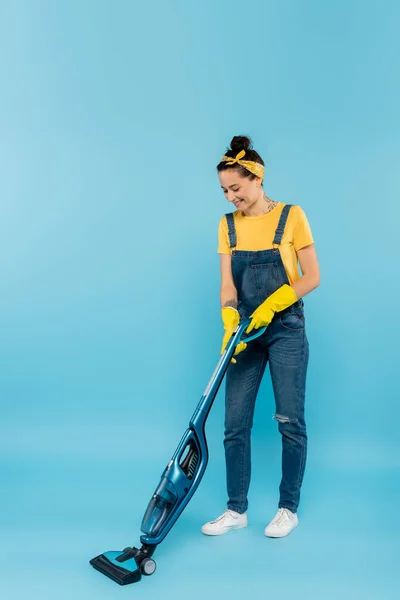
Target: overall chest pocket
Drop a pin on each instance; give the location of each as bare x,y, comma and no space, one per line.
267,279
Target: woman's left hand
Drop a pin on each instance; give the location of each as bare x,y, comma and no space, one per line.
283,297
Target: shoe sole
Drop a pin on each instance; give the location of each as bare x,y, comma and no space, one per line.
233,528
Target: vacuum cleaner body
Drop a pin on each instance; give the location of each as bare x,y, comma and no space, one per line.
179,481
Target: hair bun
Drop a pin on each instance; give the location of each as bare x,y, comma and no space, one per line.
240,142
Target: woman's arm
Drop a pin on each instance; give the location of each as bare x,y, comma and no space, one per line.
310,270
228,293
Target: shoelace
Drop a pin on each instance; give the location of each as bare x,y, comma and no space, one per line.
280,517
223,516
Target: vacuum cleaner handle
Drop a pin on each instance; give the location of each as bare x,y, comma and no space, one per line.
243,326
211,390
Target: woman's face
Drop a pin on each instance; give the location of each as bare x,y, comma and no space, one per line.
241,191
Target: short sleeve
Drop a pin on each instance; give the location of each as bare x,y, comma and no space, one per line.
223,237
302,235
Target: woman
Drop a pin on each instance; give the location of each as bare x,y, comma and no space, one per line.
260,245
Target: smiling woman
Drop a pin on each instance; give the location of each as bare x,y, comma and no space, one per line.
261,245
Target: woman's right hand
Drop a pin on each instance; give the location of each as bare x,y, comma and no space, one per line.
231,319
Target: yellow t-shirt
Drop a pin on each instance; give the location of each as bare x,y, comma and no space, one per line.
257,233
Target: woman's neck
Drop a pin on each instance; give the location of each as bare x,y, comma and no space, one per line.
262,206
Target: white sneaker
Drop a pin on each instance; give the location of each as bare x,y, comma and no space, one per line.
228,521
282,524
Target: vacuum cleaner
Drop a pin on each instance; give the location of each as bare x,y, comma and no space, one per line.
179,481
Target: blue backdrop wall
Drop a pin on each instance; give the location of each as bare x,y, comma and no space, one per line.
113,117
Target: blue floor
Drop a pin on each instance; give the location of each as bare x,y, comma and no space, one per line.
59,509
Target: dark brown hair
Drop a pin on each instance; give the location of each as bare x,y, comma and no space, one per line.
238,143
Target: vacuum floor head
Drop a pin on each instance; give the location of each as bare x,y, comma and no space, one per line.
127,566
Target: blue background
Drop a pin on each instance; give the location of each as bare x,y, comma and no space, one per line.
113,117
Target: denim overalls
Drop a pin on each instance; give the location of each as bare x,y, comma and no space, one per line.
284,345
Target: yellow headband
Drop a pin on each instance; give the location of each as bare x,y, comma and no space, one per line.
254,167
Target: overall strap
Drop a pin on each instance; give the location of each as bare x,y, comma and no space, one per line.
231,230
281,225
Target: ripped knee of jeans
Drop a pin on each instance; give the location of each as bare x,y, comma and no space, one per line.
284,419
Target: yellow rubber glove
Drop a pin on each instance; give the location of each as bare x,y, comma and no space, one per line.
284,297
231,319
